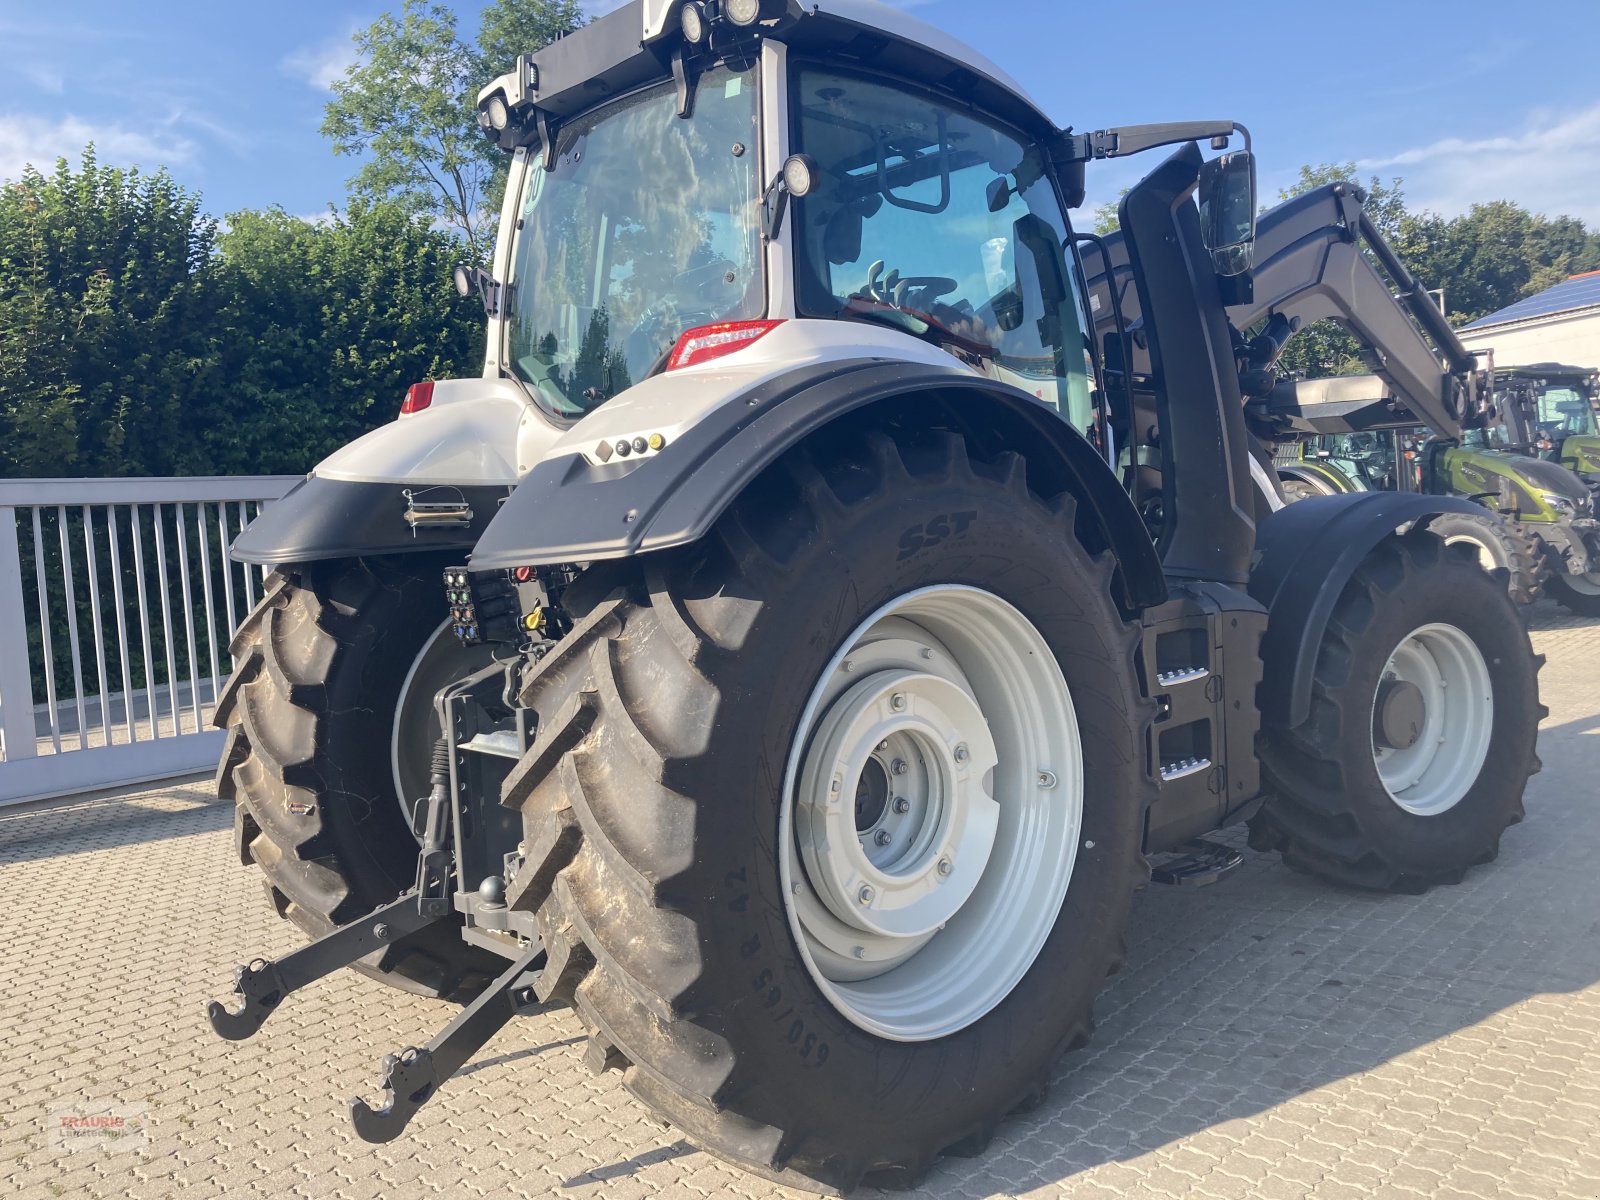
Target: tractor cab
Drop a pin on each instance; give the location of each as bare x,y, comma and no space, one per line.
726,187
1555,406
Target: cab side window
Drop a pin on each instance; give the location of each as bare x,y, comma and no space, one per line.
926,217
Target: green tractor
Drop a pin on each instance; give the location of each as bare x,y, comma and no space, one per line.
1413,460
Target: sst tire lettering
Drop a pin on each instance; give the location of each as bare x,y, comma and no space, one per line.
934,531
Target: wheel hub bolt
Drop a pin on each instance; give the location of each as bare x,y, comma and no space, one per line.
860,952
881,837
945,867
866,894
899,766
901,804
897,701
883,745
1047,779
961,753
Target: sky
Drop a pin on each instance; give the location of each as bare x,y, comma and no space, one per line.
1466,101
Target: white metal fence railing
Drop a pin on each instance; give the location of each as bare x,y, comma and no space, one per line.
117,602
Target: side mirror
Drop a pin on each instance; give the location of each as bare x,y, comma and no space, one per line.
1228,210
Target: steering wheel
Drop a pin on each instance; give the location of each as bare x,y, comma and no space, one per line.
897,289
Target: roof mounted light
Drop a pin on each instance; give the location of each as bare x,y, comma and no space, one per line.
693,18
506,107
742,12
499,112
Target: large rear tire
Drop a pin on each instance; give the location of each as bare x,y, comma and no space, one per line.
311,762
1424,713
683,912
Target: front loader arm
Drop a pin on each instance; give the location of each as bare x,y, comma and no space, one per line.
1310,265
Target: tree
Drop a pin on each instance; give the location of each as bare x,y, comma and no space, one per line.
324,327
105,303
408,107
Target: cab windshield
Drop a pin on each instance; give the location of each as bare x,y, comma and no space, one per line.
645,225
1565,412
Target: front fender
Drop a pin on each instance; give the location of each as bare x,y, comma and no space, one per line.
1305,555
572,509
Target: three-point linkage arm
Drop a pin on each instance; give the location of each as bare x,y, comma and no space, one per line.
1310,266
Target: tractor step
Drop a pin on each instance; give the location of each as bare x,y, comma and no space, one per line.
411,1077
264,983
1197,863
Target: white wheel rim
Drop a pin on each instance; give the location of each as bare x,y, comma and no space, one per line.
441,660
917,918
1485,557
1433,774
1584,585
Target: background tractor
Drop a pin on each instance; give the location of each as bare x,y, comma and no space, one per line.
766,657
1538,524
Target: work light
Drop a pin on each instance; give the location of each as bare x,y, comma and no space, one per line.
742,12
499,114
693,17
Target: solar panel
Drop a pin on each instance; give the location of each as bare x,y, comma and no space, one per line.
1579,292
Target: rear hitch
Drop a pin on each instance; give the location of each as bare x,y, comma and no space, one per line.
263,983
414,1075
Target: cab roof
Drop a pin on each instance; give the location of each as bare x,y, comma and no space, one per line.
633,45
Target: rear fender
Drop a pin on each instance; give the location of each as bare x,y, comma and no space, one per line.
475,432
463,450
1305,555
571,508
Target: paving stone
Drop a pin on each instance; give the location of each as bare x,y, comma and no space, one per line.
1457,1053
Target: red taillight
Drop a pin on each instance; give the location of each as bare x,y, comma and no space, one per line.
418,397
713,341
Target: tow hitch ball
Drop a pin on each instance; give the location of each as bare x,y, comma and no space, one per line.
414,1075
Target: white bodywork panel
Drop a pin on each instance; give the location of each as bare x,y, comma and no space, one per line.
485,431
674,400
471,433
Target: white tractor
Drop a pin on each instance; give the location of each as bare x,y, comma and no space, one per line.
766,656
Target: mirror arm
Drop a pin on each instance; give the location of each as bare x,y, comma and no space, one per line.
1121,141
774,203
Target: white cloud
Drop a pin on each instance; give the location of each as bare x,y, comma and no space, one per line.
26,138
322,64
1548,166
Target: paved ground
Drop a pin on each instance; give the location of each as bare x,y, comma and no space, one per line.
1270,1038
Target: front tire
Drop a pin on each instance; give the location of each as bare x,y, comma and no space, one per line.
1396,782
661,845
1500,545
1576,593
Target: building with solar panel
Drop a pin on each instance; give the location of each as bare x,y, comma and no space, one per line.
1559,324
